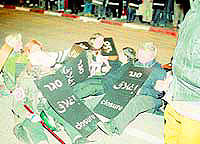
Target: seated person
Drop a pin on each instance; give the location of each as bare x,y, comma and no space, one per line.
147,99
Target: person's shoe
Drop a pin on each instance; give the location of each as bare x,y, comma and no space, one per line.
108,128
21,133
164,104
161,110
162,25
82,140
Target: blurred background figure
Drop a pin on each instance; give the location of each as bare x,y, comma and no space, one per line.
147,11
87,7
181,7
158,10
75,6
133,5
61,5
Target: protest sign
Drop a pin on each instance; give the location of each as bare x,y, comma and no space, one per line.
60,97
122,91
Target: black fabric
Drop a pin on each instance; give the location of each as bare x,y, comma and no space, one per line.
135,1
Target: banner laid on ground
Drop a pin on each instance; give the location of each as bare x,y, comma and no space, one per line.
75,70
59,96
123,90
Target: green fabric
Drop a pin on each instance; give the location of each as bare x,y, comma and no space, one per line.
186,59
12,69
46,120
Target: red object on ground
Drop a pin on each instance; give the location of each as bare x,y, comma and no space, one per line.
45,126
37,10
167,66
112,22
70,15
27,108
163,30
9,6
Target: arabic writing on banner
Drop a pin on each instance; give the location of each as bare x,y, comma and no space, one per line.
75,70
60,97
123,90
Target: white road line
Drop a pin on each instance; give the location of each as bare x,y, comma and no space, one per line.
22,9
134,26
52,13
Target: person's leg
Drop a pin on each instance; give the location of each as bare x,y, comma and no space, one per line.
153,16
157,17
86,6
46,4
98,7
90,8
89,87
103,12
137,105
133,14
130,14
172,125
120,8
163,19
177,13
62,7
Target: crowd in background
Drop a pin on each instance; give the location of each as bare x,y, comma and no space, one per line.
154,12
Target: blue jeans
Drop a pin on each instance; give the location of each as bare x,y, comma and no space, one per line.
60,4
131,14
101,11
87,8
156,16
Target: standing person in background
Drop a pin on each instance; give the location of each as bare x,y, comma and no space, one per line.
102,10
87,7
120,8
60,5
75,6
178,12
147,11
169,10
133,5
182,114
49,3
158,9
